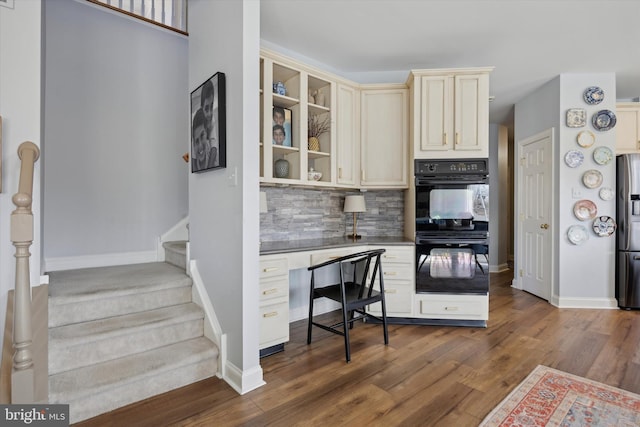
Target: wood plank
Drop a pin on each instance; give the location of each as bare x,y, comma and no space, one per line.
426,376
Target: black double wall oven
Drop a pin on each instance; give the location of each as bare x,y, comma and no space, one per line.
452,226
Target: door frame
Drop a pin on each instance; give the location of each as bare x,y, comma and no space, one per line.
519,195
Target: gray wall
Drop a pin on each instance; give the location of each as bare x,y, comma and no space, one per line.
224,204
115,123
302,213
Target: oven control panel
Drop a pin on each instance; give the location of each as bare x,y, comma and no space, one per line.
451,167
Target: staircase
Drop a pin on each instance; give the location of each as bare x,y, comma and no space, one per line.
121,334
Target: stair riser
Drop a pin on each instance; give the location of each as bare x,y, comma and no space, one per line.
176,258
63,357
96,404
83,311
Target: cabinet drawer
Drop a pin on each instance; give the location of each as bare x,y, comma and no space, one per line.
399,254
320,257
465,307
271,267
399,300
274,287
274,324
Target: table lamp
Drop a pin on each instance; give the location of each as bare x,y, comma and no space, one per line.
354,204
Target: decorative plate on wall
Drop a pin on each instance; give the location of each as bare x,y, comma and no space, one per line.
573,158
586,138
576,117
606,193
602,155
604,226
604,120
585,209
593,95
592,178
577,234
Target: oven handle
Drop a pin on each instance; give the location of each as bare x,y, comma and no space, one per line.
422,181
432,241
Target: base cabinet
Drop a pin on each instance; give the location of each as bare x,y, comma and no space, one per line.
452,307
398,272
274,302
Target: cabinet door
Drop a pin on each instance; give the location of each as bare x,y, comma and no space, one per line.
628,129
472,113
347,141
384,140
436,113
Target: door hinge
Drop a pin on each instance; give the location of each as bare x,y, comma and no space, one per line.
523,161
521,273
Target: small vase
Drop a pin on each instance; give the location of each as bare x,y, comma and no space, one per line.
320,98
313,144
281,168
312,99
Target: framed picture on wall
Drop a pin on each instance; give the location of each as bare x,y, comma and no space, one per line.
208,125
282,126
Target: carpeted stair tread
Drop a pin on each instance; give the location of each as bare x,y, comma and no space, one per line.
95,379
104,282
96,330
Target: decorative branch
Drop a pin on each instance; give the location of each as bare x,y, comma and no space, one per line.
317,126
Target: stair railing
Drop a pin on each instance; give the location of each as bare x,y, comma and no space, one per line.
22,375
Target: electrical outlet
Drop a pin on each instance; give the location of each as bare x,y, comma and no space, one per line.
576,193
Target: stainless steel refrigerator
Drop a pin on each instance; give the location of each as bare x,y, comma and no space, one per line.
628,232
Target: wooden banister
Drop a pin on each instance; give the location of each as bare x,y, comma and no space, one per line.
22,377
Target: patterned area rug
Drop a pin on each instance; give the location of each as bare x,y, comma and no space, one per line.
548,397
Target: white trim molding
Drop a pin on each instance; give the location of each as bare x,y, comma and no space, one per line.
243,381
582,302
102,260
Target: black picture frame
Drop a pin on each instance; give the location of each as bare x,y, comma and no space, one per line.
283,117
208,125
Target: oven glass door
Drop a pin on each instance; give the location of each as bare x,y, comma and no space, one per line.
451,206
452,267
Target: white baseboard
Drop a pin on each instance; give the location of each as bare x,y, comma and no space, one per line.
102,260
579,302
243,381
498,268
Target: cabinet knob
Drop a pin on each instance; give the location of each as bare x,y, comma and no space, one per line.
339,172
390,291
270,291
389,273
457,138
269,269
444,139
271,314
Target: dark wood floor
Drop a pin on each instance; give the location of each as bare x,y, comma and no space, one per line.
426,376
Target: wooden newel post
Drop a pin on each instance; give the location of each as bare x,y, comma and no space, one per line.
22,378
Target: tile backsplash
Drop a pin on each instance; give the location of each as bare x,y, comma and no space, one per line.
302,213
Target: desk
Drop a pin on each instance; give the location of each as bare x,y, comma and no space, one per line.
284,280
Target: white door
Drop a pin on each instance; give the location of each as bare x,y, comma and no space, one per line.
534,213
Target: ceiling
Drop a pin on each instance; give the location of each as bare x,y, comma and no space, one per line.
529,42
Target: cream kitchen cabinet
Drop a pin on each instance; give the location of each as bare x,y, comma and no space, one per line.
307,92
274,303
384,139
348,135
628,127
450,113
398,273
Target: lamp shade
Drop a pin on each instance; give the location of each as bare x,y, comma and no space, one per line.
354,204
263,202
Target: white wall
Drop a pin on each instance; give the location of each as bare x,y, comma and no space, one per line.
498,198
224,36
115,130
20,108
584,275
586,272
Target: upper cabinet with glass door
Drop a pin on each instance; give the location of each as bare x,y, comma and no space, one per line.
295,102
